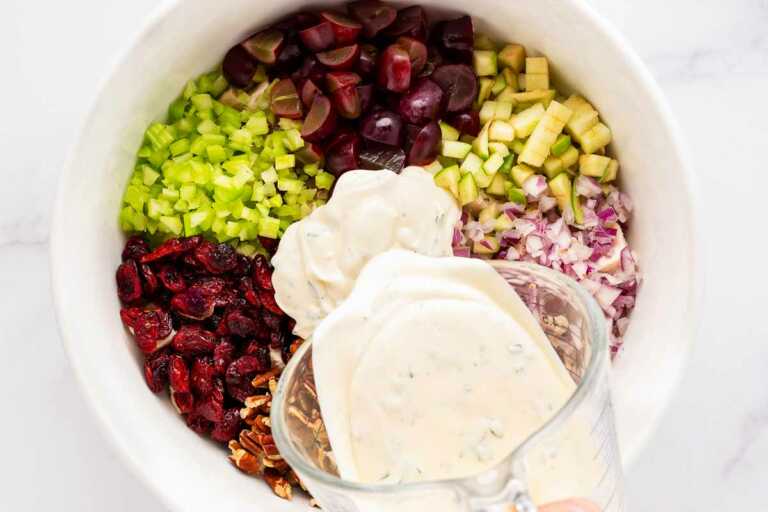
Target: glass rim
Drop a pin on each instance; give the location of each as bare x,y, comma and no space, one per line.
597,364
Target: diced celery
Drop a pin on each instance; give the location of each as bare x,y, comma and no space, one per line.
448,131
483,42
499,84
216,153
489,212
285,162
177,109
509,161
293,140
290,185
553,166
595,138
207,126
570,157
324,180
269,227
510,78
170,224
149,175
455,149
289,211
517,195
526,121
480,144
484,90
593,165
560,186
502,223
159,136
202,101
517,146
269,176
611,172
311,169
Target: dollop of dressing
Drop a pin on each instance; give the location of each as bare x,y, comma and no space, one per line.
320,257
432,368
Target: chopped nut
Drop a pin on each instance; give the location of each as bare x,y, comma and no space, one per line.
278,484
244,460
263,380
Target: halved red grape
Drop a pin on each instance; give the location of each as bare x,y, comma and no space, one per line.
425,144
374,15
395,69
340,58
320,121
238,66
422,103
340,79
459,83
285,101
457,38
417,52
347,102
342,153
265,45
345,29
365,92
308,92
383,126
378,156
411,21
366,63
466,122
318,37
434,60
311,153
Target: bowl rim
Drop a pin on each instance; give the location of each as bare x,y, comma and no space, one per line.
165,9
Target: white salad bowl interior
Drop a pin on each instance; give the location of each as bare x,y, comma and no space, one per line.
187,37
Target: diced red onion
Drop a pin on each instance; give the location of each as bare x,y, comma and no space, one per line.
462,252
587,186
546,203
606,295
627,261
535,186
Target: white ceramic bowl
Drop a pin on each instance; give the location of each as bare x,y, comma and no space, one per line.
187,37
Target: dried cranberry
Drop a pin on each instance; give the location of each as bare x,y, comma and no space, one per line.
240,373
128,282
216,258
151,283
272,320
290,324
243,267
156,371
152,329
211,285
179,374
193,340
202,375
129,315
199,424
236,322
246,289
183,401
172,247
267,299
211,407
270,244
228,297
193,303
171,278
135,248
223,355
229,426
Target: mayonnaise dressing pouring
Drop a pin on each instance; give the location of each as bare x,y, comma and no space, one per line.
427,366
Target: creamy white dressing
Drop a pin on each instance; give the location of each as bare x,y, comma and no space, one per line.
319,257
432,368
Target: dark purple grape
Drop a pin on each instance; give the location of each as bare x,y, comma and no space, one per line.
342,153
365,93
459,84
378,156
308,92
265,45
411,22
417,52
320,121
394,69
289,58
340,58
345,30
422,103
291,25
466,122
311,69
374,15
366,63
347,102
424,144
383,126
238,66
456,38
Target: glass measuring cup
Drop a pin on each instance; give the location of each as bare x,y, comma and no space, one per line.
535,473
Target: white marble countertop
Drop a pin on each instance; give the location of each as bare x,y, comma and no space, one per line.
711,450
